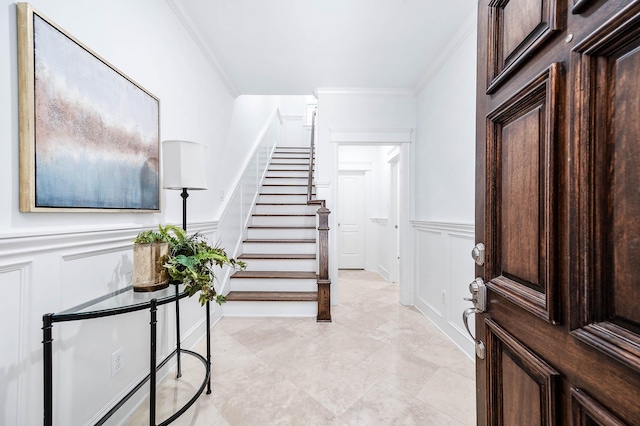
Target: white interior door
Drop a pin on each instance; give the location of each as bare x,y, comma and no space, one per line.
351,217
394,226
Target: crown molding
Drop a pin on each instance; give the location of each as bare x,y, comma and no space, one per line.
468,27
355,92
193,29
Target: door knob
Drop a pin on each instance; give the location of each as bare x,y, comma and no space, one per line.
478,254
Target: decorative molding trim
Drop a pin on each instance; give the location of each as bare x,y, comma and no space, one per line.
383,221
354,166
193,29
53,240
24,267
463,229
292,117
370,136
467,28
323,185
356,92
98,252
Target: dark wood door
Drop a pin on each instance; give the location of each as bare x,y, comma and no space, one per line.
558,208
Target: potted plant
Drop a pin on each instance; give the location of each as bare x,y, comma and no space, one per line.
192,260
150,252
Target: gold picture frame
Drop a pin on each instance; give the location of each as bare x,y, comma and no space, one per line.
89,135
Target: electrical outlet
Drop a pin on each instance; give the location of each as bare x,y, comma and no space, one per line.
222,195
117,361
443,296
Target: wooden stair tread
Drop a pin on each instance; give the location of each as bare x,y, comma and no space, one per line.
285,177
281,215
283,193
276,256
272,296
281,204
285,275
280,227
288,240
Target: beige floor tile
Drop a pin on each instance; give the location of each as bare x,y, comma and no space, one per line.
443,352
404,336
378,363
292,356
262,335
231,325
348,346
268,398
334,384
401,369
362,322
387,405
203,412
451,393
308,328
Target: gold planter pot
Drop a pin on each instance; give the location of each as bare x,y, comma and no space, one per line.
148,272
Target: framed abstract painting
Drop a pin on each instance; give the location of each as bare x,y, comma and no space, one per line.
89,135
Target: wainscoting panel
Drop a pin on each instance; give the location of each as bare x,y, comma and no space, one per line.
443,269
15,279
54,270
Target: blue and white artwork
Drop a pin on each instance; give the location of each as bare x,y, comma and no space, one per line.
96,132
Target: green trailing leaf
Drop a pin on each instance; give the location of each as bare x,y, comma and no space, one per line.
191,260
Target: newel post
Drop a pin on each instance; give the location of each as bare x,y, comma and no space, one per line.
324,283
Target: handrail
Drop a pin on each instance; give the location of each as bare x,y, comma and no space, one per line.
324,283
311,157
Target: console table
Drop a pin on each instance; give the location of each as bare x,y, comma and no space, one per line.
117,303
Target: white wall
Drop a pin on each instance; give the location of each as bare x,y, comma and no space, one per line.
444,187
53,261
296,131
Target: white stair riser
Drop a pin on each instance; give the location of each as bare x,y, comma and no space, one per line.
302,174
273,284
298,165
278,248
284,220
278,198
300,152
289,265
290,159
270,309
290,154
285,209
284,189
291,233
286,181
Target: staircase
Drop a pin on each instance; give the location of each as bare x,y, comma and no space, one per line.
280,249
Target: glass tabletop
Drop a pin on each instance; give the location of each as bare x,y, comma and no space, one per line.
123,300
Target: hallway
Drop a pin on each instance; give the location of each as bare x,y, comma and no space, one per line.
378,363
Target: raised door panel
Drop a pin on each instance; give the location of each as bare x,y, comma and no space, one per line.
606,188
521,137
517,28
585,411
523,389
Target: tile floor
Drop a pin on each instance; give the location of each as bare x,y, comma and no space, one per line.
378,363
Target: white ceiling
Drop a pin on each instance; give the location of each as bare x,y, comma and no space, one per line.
291,47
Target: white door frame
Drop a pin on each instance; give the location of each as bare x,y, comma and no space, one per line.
402,138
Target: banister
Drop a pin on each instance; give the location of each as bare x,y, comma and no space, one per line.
324,283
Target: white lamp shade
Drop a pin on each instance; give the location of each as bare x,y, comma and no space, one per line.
183,164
